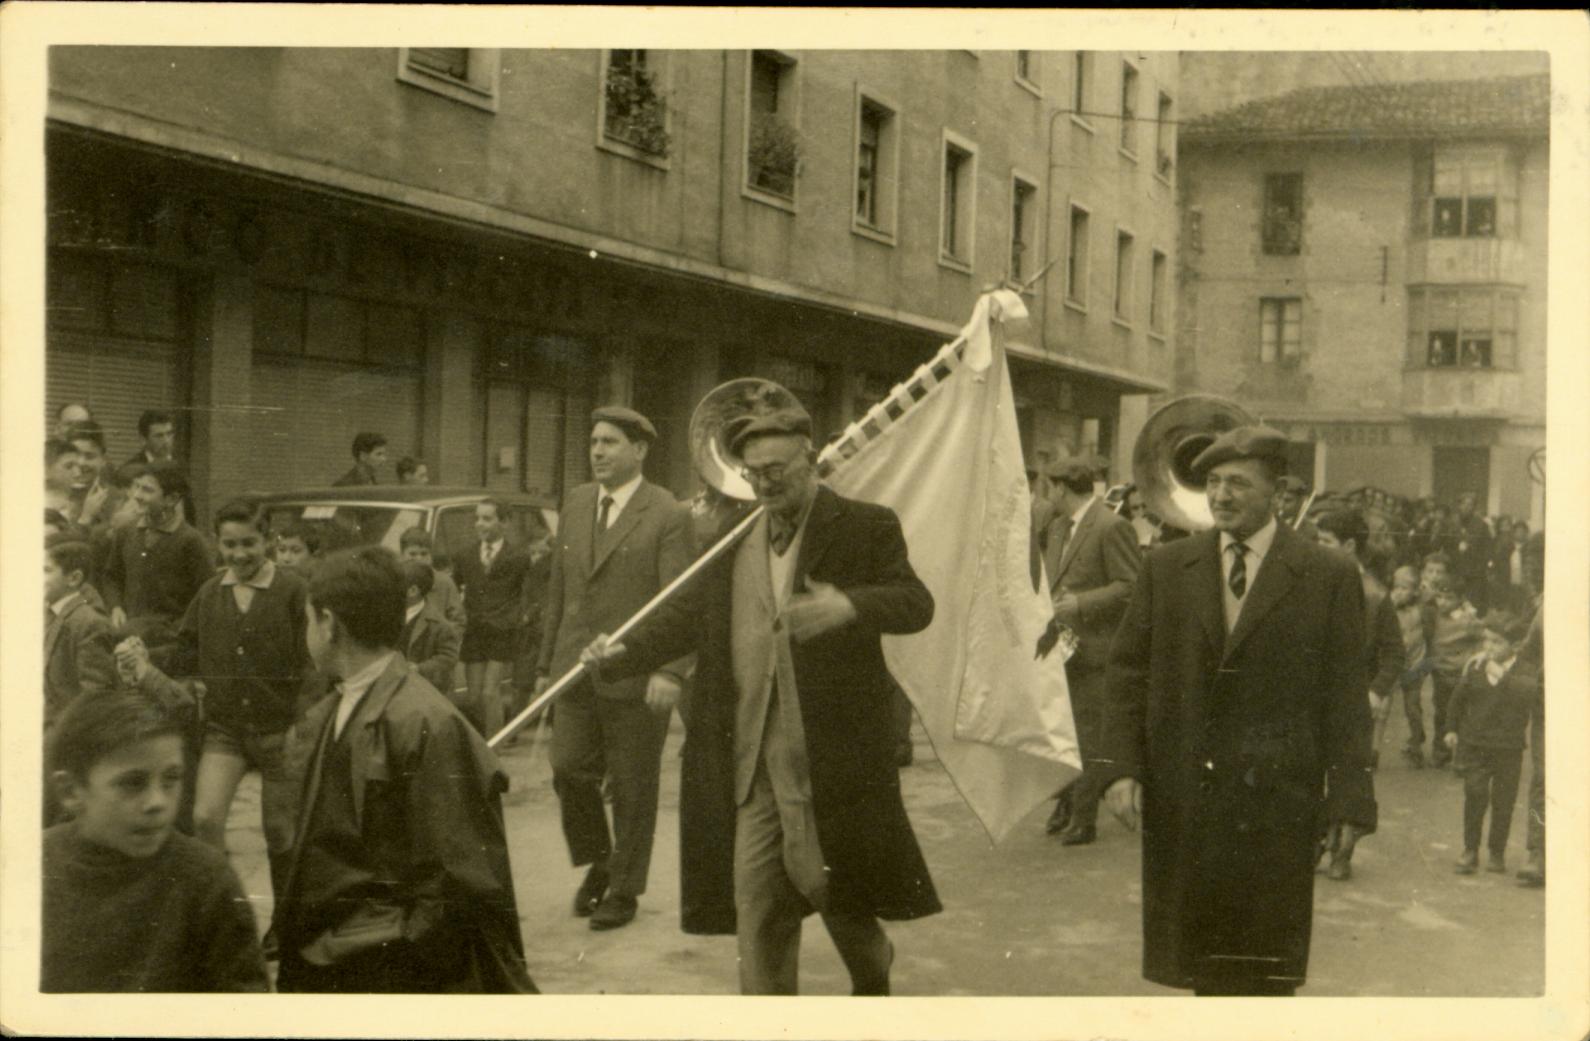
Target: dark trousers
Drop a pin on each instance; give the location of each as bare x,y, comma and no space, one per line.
1490,779
1087,710
901,718
1251,988
1535,835
1413,709
1442,684
620,739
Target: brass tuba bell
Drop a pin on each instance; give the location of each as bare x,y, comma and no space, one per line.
713,420
1163,455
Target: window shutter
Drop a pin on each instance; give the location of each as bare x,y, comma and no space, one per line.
1423,175
447,61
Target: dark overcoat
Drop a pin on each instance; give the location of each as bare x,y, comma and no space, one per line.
429,881
845,691
1237,740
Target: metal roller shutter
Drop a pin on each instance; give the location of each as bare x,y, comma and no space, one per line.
117,379
328,404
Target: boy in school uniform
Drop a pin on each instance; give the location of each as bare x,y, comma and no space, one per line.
243,637
416,544
1452,636
77,641
154,567
1489,713
297,550
429,642
129,904
398,880
492,574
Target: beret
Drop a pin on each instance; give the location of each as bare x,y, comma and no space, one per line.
1073,469
1246,442
791,420
632,423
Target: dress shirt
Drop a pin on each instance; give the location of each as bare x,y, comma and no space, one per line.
413,612
1495,670
243,592
489,551
60,606
1258,547
353,688
620,496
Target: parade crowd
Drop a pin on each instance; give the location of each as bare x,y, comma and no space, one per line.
180,656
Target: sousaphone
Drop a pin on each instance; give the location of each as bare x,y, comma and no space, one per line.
712,427
1163,455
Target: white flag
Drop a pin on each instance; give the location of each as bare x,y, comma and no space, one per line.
951,466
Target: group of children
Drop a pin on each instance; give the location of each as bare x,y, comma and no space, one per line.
380,803
1487,695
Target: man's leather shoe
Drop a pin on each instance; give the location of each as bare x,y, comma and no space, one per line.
590,892
1533,873
1077,834
1060,819
616,910
1468,863
1496,862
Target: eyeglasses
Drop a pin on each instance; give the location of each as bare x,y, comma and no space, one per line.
771,473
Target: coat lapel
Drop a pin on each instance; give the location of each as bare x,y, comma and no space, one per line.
1203,567
52,633
1277,574
620,529
756,544
818,535
1068,552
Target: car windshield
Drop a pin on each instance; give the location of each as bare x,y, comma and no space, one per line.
342,525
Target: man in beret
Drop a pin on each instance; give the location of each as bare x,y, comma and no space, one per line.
1290,494
1235,718
621,540
1091,561
790,800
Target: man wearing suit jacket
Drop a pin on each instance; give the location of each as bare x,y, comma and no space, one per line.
491,573
790,799
398,878
1235,716
1091,560
621,539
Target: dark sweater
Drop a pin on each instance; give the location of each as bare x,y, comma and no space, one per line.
176,922
253,663
1486,716
155,573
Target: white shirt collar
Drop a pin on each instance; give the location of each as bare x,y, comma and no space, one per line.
355,687
621,496
1258,543
262,578
413,612
60,606
1076,518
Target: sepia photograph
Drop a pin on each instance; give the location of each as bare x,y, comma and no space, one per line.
791,507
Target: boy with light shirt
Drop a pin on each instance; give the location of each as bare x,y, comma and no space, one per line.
93,494
128,904
398,879
242,636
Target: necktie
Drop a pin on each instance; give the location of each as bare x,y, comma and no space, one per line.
1238,580
601,520
488,553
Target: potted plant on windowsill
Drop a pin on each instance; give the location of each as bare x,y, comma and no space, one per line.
773,155
635,112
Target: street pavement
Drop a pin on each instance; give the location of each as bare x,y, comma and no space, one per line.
1030,918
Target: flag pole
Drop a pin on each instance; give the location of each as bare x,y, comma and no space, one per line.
834,455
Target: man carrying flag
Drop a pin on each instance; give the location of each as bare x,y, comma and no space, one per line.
790,747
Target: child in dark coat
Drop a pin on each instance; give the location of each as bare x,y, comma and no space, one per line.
130,904
1489,714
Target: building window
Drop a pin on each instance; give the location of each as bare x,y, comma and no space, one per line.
958,207
1158,272
1077,257
772,144
1283,214
1280,330
1468,189
634,111
1164,138
1023,228
877,159
465,74
1463,328
1080,67
1027,71
1124,251
1128,109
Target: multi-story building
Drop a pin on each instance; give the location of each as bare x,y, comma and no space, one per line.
466,249
1364,265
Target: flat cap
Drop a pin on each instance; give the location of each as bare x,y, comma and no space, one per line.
1073,469
632,423
1249,442
780,422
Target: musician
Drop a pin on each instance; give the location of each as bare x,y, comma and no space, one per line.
622,539
789,747
1235,694
1091,560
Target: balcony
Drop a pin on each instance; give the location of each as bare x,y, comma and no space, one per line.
1460,393
1456,261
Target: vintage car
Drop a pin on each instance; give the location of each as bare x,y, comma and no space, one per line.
380,514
